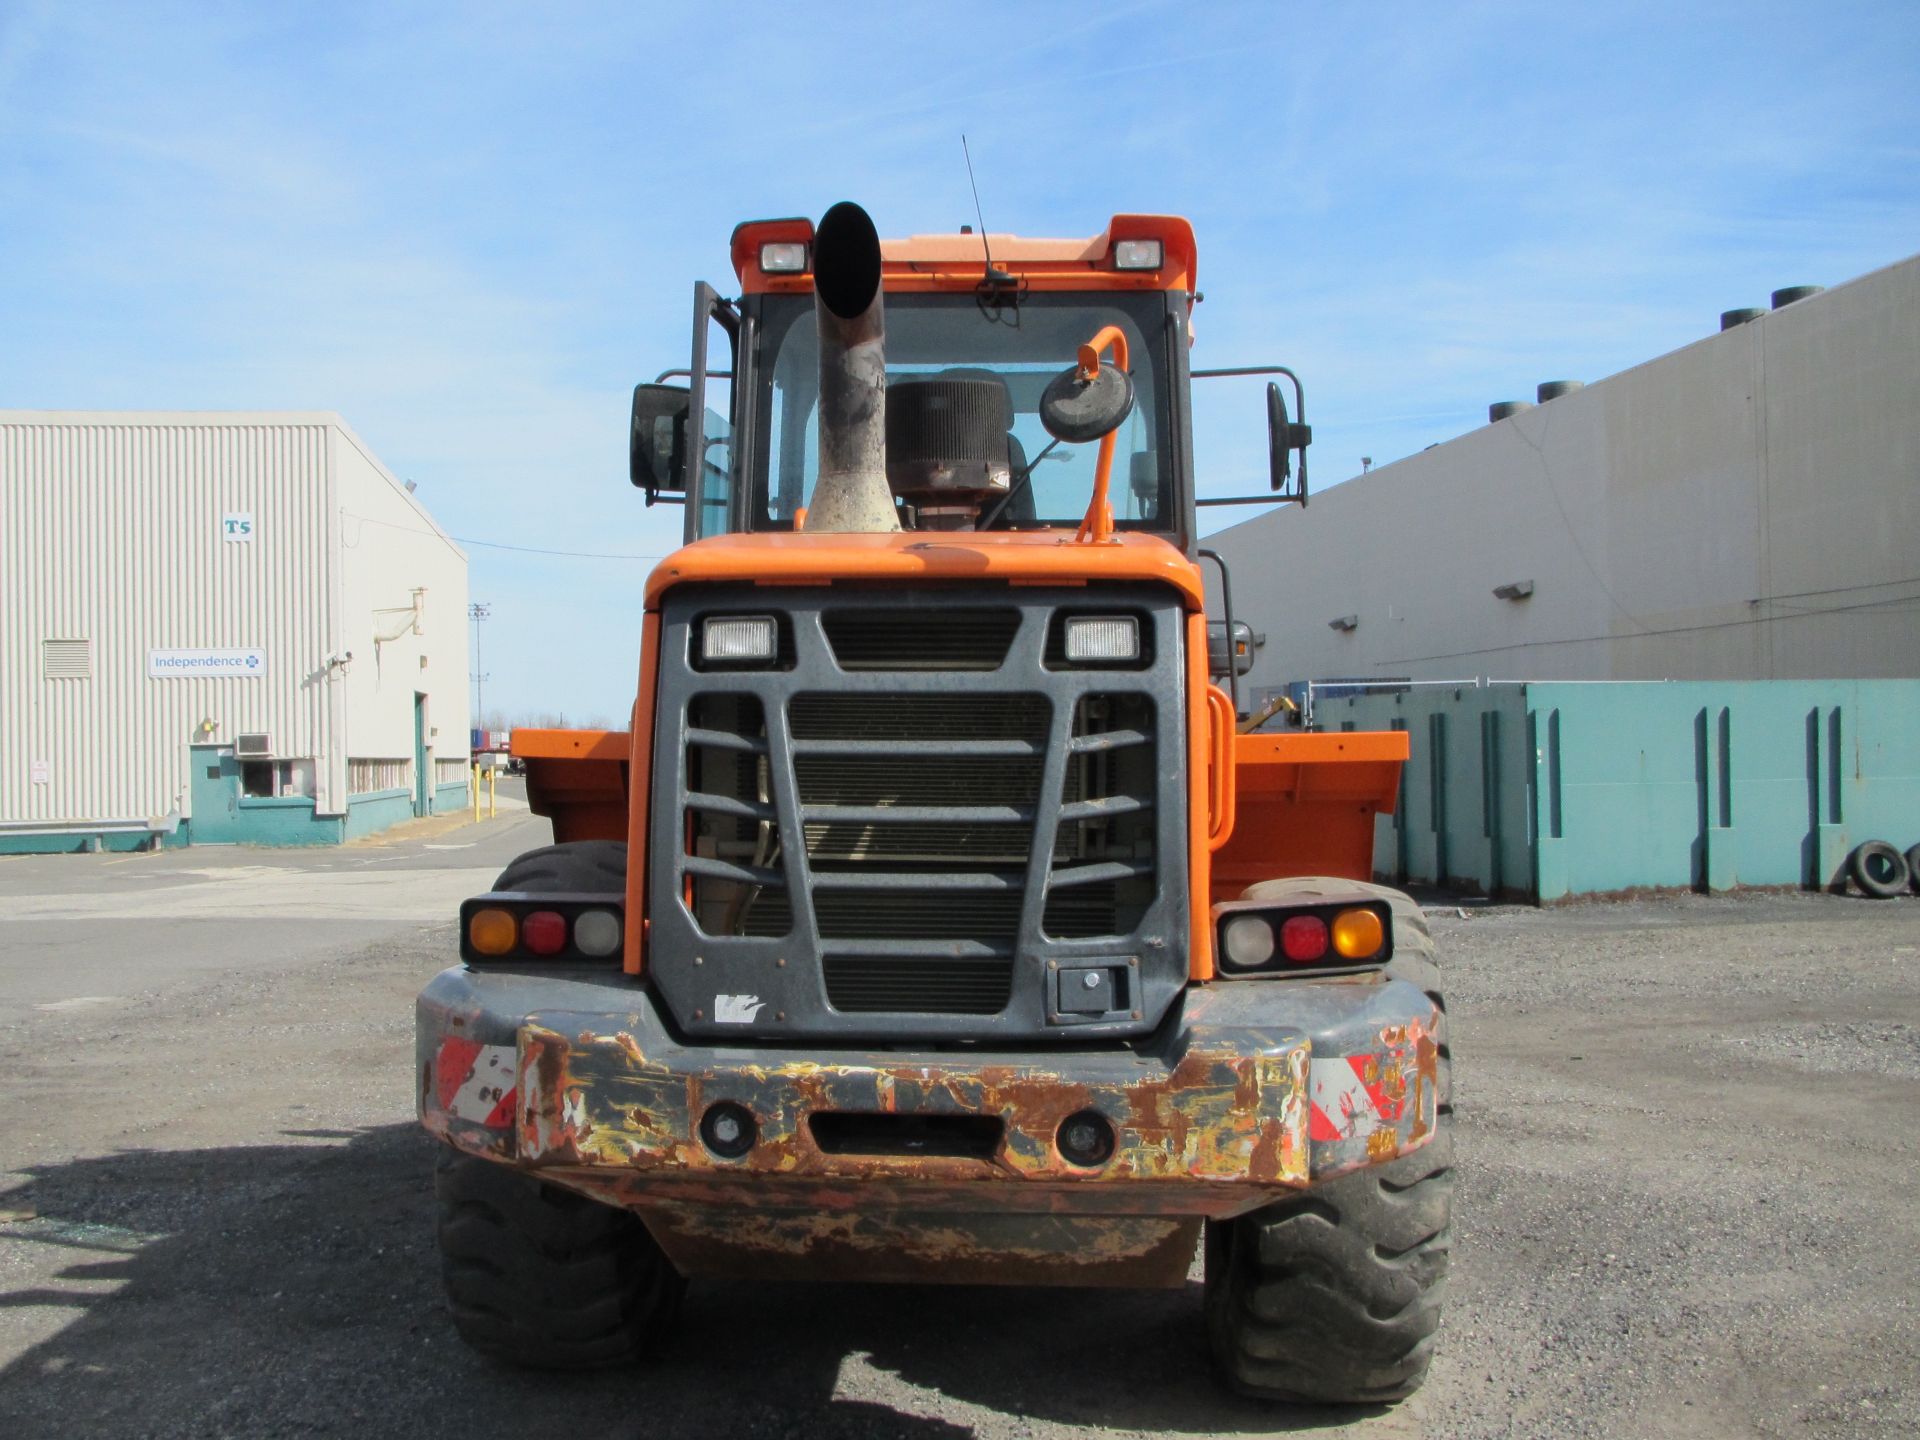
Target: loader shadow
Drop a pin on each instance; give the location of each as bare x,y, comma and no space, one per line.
295,1288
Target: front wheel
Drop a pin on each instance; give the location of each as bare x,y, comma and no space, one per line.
539,1276
1333,1296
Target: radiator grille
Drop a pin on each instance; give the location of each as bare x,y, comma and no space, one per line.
895,780
926,844
920,639
920,717
862,985
918,915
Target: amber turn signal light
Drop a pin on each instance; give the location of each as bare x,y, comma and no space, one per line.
492,932
1357,934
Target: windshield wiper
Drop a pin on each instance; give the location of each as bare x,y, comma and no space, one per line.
1019,484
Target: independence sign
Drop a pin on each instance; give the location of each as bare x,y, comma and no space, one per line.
166,664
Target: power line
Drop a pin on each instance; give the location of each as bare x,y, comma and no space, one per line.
571,554
498,544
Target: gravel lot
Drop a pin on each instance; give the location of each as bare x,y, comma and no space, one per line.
1687,1199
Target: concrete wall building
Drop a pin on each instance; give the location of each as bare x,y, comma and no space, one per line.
1744,508
220,628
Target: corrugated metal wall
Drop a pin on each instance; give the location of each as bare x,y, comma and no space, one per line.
111,531
1745,508
389,547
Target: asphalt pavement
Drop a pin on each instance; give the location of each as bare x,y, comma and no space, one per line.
1687,1189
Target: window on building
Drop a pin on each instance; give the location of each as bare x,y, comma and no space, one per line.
265,779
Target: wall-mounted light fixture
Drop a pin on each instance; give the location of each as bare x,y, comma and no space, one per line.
1514,590
1343,622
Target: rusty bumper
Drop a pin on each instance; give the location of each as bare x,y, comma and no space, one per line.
1250,1090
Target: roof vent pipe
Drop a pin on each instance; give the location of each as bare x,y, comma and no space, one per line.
1786,297
851,495
1731,318
1554,389
1505,409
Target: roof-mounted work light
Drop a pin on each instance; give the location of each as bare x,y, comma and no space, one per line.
783,257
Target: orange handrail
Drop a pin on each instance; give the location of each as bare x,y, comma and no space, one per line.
1223,793
1097,527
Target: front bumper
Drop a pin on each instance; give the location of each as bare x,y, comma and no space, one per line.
1251,1089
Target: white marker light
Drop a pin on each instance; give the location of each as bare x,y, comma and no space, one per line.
737,639
1248,940
783,257
596,932
1093,638
1137,254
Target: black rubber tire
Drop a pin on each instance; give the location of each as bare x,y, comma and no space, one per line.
1860,865
1913,869
540,1277
580,867
536,1275
1334,1296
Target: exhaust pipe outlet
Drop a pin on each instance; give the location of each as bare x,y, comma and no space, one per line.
851,495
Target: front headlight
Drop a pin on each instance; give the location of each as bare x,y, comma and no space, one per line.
738,640
1102,639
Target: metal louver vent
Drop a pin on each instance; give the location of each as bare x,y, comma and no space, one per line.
67,659
944,639
258,746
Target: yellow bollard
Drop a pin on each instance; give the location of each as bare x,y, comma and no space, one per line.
476,794
493,776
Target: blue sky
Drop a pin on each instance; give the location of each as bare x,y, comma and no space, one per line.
471,228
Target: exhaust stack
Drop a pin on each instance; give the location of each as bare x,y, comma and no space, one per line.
851,495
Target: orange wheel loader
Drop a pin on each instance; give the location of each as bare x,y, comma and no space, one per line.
933,921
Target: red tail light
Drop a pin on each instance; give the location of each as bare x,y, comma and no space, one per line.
544,932
1303,938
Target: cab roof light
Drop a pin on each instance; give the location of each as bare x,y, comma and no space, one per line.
1138,254
783,257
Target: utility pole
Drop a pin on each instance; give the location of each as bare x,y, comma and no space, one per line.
479,610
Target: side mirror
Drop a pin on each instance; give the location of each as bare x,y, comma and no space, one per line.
657,451
1077,412
1283,438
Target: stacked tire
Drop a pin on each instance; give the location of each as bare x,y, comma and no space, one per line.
1880,871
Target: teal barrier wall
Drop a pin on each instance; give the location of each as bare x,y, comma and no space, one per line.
81,841
375,811
1551,790
450,797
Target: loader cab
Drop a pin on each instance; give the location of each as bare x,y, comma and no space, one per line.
961,350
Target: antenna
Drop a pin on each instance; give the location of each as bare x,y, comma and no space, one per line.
994,277
1000,291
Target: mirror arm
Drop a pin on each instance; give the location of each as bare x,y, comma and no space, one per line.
1097,526
666,375
1226,611
1299,410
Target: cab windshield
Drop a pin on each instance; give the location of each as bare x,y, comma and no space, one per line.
1024,347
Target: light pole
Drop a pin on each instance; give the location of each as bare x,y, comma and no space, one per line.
479,610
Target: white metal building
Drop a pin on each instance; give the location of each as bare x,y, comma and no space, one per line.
1745,508
243,623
